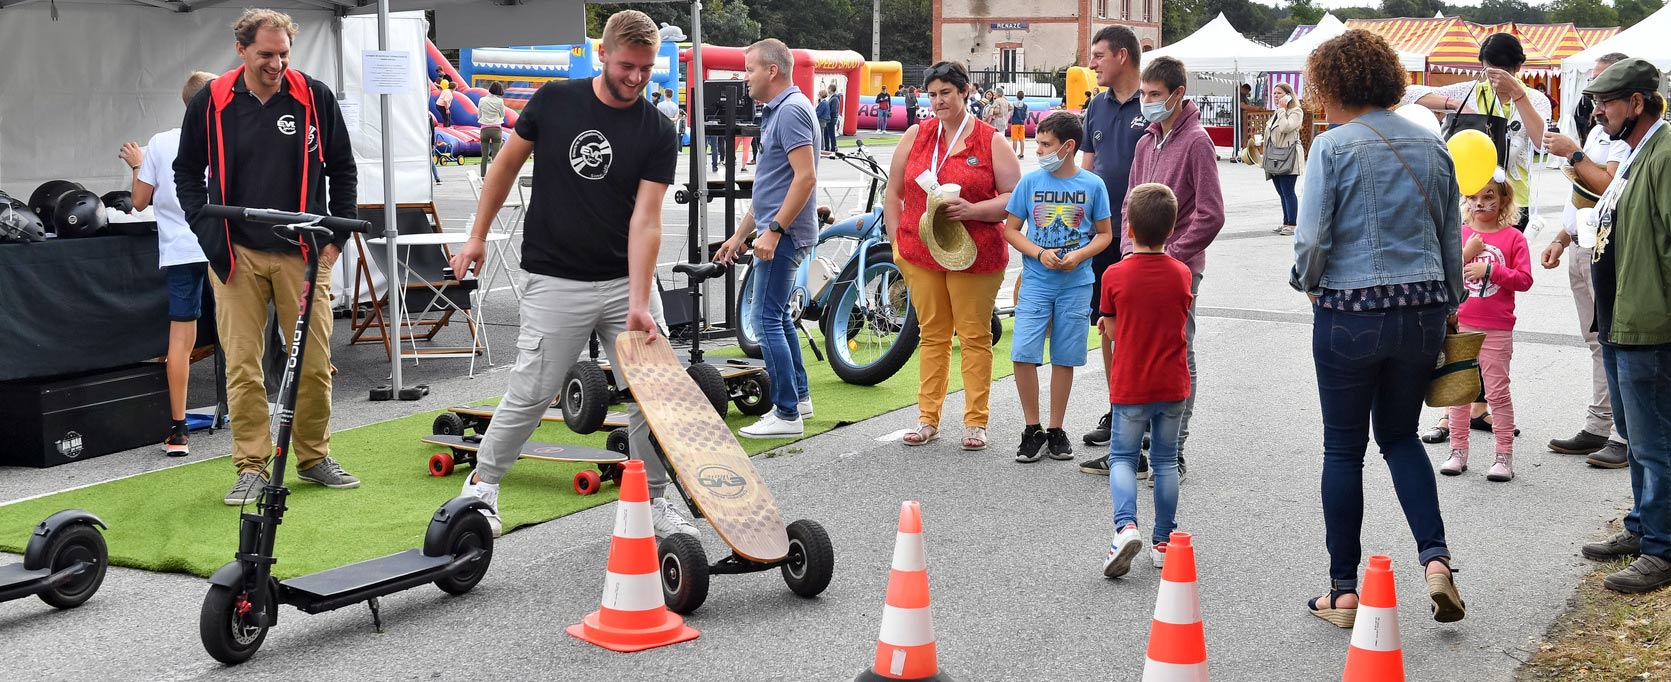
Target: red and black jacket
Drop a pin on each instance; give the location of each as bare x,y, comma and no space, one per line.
243,171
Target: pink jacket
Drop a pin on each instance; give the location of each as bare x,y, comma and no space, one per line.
1186,162
1490,303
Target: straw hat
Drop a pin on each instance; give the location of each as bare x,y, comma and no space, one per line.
1582,197
948,241
1456,376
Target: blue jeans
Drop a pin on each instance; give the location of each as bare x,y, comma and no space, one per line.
882,120
773,281
1290,201
1373,368
1639,380
1126,435
830,127
713,151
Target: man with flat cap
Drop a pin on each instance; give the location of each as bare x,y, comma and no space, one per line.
1632,273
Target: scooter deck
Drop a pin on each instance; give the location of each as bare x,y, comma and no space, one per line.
703,452
15,574
550,452
366,574
612,420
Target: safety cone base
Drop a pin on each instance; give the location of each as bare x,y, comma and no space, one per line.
871,676
671,631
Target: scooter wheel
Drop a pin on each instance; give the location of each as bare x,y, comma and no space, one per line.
76,543
587,482
811,561
440,464
684,572
468,531
224,625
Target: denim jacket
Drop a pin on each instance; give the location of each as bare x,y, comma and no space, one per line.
1363,220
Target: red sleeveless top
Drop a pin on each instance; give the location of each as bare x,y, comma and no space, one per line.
970,167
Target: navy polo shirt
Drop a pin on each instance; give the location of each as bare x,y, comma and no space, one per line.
1112,130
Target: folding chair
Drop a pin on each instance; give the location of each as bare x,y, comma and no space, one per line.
505,250
430,298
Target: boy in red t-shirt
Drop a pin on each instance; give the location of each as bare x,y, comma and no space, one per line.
1145,305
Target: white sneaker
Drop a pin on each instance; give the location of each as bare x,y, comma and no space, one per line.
489,493
1126,546
667,520
1157,555
771,426
804,408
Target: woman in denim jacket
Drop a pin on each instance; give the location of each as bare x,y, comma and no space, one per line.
1381,257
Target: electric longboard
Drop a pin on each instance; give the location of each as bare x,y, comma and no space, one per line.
463,452
457,421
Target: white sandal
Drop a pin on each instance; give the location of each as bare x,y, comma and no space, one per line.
974,433
922,438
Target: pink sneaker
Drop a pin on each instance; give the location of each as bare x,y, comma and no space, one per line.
1455,464
1501,470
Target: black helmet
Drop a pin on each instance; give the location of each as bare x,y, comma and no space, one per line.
18,224
46,197
119,200
78,214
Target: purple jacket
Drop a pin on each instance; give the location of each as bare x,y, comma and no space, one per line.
1186,162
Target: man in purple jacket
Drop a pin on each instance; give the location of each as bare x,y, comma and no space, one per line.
1176,152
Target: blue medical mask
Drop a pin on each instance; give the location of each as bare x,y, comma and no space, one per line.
1049,164
1156,112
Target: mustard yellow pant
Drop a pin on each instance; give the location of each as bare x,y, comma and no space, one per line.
947,302
241,318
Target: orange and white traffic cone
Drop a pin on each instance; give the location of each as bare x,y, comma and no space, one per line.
633,616
905,647
1177,642
1376,654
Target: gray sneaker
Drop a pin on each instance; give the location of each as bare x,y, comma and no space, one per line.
245,490
329,474
1646,574
1622,544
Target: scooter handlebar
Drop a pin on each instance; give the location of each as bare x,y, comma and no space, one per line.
273,217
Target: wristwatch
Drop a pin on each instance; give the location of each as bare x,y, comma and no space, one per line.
774,227
1576,157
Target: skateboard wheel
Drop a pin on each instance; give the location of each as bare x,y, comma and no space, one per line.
440,464
448,424
811,560
610,472
708,379
618,442
684,572
754,394
585,397
587,482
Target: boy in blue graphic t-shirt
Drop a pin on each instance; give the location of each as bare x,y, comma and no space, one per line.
1069,217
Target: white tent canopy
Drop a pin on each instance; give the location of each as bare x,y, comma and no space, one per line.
1646,40
1216,48
1293,55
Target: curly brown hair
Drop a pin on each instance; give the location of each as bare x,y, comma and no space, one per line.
1355,69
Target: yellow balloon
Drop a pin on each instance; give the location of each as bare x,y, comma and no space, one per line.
1476,160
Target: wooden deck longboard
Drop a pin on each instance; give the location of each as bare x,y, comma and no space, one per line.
704,453
612,420
550,452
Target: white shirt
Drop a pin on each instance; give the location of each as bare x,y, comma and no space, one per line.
669,109
1596,149
176,244
1521,143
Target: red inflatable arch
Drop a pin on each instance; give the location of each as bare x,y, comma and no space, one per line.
809,64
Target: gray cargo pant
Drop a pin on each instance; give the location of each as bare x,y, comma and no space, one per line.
558,318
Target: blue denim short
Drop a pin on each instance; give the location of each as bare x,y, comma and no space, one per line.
1064,311
185,291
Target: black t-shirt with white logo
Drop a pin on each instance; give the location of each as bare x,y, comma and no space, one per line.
588,161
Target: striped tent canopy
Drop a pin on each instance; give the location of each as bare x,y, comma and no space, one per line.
1453,45
1419,36
1299,32
1534,39
1559,41
1592,36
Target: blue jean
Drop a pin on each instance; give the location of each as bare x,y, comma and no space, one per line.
1639,381
1064,312
1373,368
882,120
713,151
773,280
1290,200
830,130
1125,436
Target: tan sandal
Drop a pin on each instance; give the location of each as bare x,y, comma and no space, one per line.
1341,618
975,434
923,434
1447,605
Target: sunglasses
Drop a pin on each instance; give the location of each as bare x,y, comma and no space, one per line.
1066,215
940,72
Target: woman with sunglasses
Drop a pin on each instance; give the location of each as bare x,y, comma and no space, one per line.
952,147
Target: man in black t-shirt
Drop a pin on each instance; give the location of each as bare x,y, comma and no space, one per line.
603,158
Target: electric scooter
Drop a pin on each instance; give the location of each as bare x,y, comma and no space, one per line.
243,599
63,564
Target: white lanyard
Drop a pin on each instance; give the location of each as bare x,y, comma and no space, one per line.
934,156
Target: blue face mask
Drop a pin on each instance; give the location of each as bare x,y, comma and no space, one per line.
1049,164
1155,112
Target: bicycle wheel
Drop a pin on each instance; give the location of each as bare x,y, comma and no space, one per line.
748,338
868,340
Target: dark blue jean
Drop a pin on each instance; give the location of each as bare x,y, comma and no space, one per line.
1290,201
1639,380
831,129
1373,369
773,280
713,151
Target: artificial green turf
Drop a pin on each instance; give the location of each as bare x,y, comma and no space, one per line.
173,520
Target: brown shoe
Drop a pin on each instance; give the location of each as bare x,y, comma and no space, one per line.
1615,455
1447,605
1646,574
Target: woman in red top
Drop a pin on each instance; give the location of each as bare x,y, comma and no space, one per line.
952,148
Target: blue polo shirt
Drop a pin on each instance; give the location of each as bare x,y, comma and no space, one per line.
787,123
1112,130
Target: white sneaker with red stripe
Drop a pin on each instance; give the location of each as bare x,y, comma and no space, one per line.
1157,554
1125,547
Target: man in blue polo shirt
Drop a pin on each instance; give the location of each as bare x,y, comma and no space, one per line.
1113,124
784,180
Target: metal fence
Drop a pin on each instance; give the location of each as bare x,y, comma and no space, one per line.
1034,83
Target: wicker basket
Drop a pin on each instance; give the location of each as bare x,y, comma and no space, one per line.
1456,374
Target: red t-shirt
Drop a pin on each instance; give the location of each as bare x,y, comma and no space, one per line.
1148,296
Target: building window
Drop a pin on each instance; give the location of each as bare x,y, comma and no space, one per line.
1148,10
1009,62
1125,9
1102,8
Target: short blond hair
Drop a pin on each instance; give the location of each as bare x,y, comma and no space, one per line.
253,20
772,52
630,27
196,81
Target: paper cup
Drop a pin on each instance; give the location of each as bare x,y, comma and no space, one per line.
1587,228
950,191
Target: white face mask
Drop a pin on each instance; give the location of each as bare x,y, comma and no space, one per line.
1049,164
1156,112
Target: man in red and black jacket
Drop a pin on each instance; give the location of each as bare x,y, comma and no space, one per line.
269,137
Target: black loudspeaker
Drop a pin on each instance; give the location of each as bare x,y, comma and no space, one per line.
57,420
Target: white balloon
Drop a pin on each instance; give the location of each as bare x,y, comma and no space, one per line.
1421,115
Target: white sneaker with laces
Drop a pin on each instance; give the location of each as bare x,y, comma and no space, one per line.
667,520
804,408
1157,555
772,426
489,493
1126,546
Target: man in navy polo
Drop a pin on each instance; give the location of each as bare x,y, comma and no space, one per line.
783,184
1113,124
